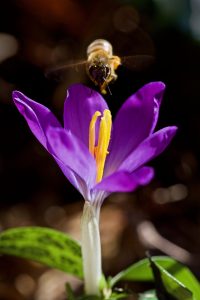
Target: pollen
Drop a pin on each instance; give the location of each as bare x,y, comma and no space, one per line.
99,148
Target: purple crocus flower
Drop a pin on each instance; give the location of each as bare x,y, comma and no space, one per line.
132,142
99,158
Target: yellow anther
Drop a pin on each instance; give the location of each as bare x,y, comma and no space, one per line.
92,132
101,150
108,119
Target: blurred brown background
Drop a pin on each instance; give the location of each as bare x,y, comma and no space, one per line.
163,217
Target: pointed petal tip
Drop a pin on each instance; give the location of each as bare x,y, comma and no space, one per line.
77,84
172,130
16,94
159,89
84,91
156,88
19,100
170,134
145,175
158,85
76,87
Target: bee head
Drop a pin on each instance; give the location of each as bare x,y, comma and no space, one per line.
99,73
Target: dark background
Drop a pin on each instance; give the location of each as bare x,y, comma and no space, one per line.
163,217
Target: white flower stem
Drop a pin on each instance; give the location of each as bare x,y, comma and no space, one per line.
91,249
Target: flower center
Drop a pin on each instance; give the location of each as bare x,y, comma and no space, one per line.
99,149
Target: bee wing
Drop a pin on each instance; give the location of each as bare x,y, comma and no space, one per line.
62,68
137,62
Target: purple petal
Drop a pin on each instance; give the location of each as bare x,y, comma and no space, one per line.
157,103
37,116
72,153
134,122
80,105
148,149
125,182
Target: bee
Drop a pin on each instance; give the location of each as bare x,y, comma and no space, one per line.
101,64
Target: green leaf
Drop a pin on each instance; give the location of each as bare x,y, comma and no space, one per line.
119,295
167,286
47,246
103,283
149,295
141,271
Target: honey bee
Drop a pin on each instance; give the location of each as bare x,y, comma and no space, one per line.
101,64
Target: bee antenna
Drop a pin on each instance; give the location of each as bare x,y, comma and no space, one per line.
108,87
109,90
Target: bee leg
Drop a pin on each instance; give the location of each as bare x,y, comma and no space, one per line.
103,87
116,61
114,76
